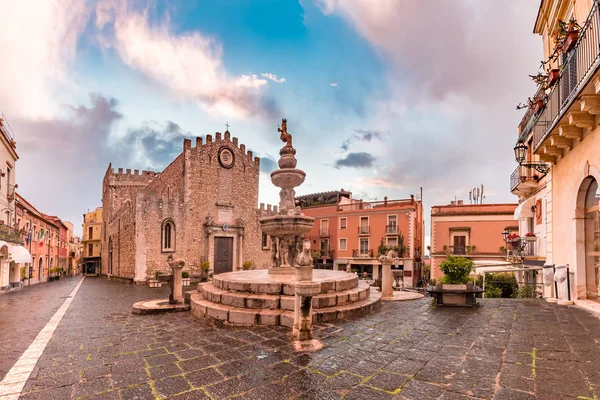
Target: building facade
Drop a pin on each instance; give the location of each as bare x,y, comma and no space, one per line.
557,146
202,207
73,245
348,233
470,230
92,241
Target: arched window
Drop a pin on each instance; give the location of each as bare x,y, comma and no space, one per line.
168,236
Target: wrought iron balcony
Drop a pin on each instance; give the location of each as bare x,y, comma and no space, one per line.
326,253
523,179
459,250
363,230
324,232
579,66
11,235
523,247
366,253
391,229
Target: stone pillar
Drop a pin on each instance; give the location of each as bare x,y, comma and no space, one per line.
176,296
305,290
387,280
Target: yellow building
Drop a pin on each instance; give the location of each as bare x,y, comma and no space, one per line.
558,176
92,239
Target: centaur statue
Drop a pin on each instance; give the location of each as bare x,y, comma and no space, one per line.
285,136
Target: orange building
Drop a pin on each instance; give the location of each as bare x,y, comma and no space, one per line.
470,230
348,233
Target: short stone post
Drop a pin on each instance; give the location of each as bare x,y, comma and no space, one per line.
176,295
306,289
387,278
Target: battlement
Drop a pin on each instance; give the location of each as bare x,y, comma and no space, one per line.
136,174
267,210
220,138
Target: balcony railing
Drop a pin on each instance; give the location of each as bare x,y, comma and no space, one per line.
459,250
326,253
324,231
363,230
524,247
391,229
520,175
367,253
578,67
12,235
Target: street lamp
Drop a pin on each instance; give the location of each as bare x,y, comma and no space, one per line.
505,235
520,149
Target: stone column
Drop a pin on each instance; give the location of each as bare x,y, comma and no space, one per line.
305,290
176,296
387,280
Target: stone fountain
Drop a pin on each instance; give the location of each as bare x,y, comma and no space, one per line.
289,293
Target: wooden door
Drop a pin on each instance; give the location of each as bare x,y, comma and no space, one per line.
223,255
460,244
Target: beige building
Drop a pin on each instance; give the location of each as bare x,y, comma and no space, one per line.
558,148
92,241
202,207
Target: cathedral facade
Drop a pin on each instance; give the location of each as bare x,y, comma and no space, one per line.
202,208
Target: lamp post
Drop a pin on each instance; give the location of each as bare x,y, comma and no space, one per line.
505,235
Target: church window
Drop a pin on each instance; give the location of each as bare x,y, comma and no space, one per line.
168,236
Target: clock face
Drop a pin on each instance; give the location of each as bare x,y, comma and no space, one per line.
226,157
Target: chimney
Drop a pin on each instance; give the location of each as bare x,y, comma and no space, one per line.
453,203
460,202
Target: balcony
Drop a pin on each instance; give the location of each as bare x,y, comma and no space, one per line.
11,235
573,101
459,250
522,248
523,180
363,230
10,193
391,229
325,253
363,253
324,232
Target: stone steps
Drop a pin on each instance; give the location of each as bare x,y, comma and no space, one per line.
203,308
251,300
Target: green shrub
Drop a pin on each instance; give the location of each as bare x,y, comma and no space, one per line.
504,281
205,266
432,282
492,292
456,269
525,292
246,265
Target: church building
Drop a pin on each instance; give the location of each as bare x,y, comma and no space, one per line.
202,208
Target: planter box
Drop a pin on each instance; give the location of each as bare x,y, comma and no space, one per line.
570,41
165,278
186,281
531,238
552,77
538,105
446,286
153,283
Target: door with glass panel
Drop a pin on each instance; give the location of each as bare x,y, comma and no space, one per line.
592,241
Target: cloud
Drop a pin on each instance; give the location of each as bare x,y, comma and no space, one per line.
267,164
377,182
361,136
37,46
333,84
190,64
273,77
355,160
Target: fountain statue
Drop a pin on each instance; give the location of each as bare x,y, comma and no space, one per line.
288,226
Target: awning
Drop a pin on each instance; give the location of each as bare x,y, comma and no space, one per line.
523,210
18,253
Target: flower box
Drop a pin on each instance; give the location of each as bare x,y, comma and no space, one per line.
570,41
538,105
447,286
153,283
531,238
552,77
186,281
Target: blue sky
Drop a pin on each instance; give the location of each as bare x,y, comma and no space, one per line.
381,97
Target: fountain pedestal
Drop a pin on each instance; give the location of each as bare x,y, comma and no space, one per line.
176,296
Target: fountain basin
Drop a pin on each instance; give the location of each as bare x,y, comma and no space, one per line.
286,225
287,178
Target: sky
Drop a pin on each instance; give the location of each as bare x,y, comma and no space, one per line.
382,97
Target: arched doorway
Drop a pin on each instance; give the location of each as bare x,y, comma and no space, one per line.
592,240
40,269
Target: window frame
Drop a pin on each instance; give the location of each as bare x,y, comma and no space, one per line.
345,244
172,235
340,223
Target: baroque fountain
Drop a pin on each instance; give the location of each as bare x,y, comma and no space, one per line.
289,293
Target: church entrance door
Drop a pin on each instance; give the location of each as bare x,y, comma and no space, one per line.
223,254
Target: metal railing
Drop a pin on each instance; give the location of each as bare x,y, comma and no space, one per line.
326,253
522,174
391,229
578,66
458,250
524,247
363,230
324,231
362,253
13,235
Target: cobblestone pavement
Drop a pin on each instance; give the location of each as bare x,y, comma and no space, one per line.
23,314
507,349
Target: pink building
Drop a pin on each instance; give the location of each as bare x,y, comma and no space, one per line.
470,230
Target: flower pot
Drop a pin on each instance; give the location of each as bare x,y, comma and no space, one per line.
50,278
186,281
153,283
447,286
570,41
538,105
552,77
531,238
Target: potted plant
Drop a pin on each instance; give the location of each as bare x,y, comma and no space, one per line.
185,278
154,282
204,268
502,249
455,287
57,273
553,75
473,247
567,34
247,265
530,237
445,248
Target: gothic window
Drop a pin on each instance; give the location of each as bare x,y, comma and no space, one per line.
168,236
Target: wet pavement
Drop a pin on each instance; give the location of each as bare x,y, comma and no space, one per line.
23,313
506,349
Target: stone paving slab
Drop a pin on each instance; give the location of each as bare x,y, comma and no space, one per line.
505,349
